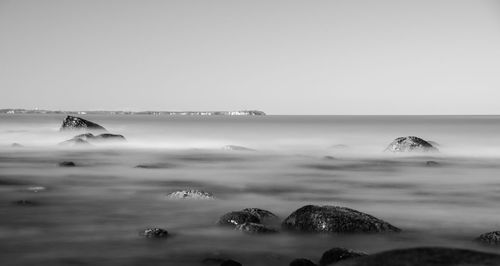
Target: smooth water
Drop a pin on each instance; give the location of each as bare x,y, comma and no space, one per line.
92,214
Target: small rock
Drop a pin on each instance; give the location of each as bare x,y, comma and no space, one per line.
254,228
492,238
410,144
335,255
329,158
334,219
16,145
237,218
27,203
230,263
67,164
154,233
302,262
263,215
190,194
73,122
155,166
431,163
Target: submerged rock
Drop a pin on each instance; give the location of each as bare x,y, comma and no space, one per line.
428,256
302,262
230,263
492,238
431,163
334,219
27,203
254,228
87,138
155,166
67,164
75,142
410,144
335,255
236,148
190,194
16,145
74,123
237,218
263,215
154,233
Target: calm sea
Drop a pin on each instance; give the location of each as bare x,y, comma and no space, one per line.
92,214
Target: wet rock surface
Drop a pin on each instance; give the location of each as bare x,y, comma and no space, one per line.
492,238
410,144
67,164
335,255
75,123
190,194
154,233
263,215
230,263
237,218
302,262
255,228
425,256
335,219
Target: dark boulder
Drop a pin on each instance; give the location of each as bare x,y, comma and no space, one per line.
107,137
67,164
230,263
492,238
75,142
410,144
426,256
334,219
237,218
263,215
190,194
75,123
254,228
431,163
154,233
335,255
302,262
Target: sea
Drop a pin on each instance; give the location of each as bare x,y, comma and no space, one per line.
94,213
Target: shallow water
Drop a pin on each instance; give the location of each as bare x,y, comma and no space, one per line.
92,214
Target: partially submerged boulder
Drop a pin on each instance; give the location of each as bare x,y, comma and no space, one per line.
67,164
335,255
75,142
154,233
335,219
428,256
492,238
191,194
230,263
88,138
410,144
77,123
255,228
237,217
301,262
263,215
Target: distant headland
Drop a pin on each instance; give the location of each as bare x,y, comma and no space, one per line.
38,111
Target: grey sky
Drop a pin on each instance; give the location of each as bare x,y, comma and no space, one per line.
282,57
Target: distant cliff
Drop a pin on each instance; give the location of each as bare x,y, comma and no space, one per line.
37,111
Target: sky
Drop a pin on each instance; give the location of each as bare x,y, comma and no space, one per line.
282,57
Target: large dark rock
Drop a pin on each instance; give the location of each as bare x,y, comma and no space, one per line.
335,255
190,194
426,256
301,262
410,144
154,233
263,215
254,228
67,164
237,218
73,122
492,238
230,263
334,219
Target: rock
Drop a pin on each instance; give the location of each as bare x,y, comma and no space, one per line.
108,137
213,261
339,146
87,138
334,219
237,218
74,123
236,148
156,166
154,233
431,163
263,215
410,144
426,256
16,145
75,142
254,228
329,157
302,262
492,238
335,255
191,194
230,263
27,203
67,164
